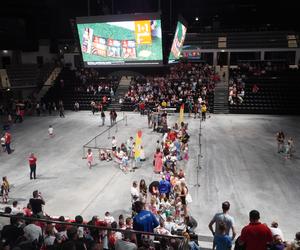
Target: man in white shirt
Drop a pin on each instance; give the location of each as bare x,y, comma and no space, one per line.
135,194
114,144
32,232
276,230
125,243
15,208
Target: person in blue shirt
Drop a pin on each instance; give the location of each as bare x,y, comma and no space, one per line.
222,241
144,220
164,186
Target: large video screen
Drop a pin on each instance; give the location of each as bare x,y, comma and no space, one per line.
119,43
177,42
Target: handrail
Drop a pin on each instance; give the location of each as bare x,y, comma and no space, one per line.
90,226
124,118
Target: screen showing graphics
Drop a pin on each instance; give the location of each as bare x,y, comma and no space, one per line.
137,42
177,42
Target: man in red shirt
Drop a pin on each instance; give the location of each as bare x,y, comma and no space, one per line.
256,235
7,137
32,164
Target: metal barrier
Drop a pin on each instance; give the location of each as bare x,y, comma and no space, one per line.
93,143
182,241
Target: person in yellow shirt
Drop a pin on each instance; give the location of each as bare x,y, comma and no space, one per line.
164,104
203,111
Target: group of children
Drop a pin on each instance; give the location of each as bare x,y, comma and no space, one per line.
125,153
173,148
122,155
287,148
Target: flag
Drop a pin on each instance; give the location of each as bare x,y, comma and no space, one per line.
137,146
181,113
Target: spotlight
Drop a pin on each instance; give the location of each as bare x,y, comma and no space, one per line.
196,18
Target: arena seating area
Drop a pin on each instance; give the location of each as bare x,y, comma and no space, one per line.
268,89
82,86
28,75
185,83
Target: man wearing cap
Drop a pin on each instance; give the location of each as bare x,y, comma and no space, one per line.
225,218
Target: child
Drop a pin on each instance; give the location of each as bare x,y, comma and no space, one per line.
4,189
142,154
113,144
125,163
3,143
50,131
186,153
102,156
108,156
90,158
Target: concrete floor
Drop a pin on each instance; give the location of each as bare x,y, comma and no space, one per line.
240,163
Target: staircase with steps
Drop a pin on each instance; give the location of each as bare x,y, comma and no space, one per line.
221,99
122,89
48,83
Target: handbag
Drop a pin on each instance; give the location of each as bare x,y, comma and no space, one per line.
188,198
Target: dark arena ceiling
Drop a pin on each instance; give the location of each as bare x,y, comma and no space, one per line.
23,23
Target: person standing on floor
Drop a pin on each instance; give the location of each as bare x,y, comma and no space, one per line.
4,189
50,131
157,162
37,203
114,117
61,109
7,137
222,241
280,141
114,144
32,165
256,235
225,218
103,117
90,158
93,106
203,111
3,144
111,116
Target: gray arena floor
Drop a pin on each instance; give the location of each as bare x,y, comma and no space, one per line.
240,163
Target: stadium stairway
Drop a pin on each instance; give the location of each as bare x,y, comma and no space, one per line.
221,98
4,80
121,91
48,83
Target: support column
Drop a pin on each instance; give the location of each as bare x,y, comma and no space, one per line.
215,58
262,55
297,57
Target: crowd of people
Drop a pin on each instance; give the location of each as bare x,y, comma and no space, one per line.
14,111
243,71
162,207
90,82
186,83
153,211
